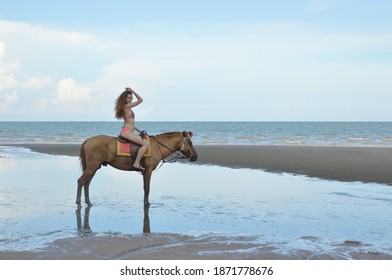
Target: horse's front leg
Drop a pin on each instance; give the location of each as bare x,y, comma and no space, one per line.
146,182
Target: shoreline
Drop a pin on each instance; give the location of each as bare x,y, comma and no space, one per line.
172,246
347,164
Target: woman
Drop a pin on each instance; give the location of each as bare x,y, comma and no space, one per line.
123,109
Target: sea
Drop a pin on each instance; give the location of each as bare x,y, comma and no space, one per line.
210,133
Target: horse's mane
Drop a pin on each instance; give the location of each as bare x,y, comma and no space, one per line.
167,134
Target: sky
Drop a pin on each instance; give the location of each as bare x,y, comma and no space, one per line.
245,60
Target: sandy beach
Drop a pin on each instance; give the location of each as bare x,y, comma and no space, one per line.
179,247
349,164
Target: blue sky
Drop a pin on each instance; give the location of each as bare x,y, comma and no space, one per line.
309,60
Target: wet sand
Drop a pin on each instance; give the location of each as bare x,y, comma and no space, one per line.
348,164
182,247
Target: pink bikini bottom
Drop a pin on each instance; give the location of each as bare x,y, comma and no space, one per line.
123,130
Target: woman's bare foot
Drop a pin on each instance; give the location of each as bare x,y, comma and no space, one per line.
139,167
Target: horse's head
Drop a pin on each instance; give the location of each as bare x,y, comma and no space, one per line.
186,147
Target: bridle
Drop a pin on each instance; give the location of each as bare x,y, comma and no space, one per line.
184,141
179,153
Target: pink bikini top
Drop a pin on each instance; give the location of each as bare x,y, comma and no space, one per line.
130,116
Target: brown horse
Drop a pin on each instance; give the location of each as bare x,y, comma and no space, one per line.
102,150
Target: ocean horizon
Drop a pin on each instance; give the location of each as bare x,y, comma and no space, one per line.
378,134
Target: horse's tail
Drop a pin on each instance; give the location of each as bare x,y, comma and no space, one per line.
82,156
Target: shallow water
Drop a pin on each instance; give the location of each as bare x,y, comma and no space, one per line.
37,194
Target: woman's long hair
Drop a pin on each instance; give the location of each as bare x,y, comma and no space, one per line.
120,103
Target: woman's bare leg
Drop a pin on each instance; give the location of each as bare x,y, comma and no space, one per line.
142,150
140,154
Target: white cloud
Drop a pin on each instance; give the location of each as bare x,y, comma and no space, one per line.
2,49
7,80
37,82
19,33
267,62
71,93
7,76
10,29
8,101
41,104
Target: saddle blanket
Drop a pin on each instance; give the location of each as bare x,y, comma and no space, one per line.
126,149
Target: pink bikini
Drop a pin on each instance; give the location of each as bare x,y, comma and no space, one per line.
130,116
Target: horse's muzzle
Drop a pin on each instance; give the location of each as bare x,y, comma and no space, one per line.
193,158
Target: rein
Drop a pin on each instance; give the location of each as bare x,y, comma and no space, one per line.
178,155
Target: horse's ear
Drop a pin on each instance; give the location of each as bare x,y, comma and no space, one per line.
185,134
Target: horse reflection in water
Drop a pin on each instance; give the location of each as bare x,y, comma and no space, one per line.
102,150
85,229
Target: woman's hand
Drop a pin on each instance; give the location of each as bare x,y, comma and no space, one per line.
137,96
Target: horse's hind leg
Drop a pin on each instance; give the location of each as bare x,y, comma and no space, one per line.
87,193
81,183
